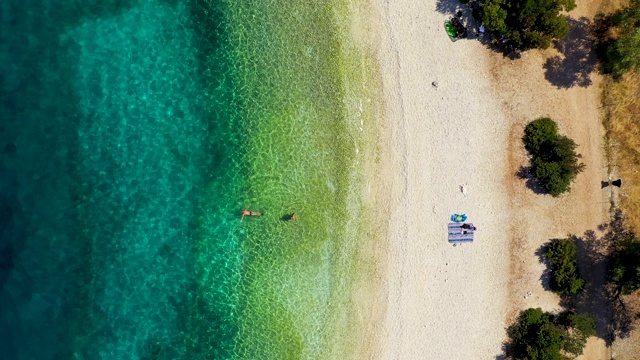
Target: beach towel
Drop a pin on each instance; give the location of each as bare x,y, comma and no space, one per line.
458,218
451,31
458,234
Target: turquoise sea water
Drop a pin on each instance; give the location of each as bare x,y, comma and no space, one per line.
133,133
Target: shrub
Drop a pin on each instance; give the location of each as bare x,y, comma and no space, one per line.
538,132
555,162
541,335
625,269
565,277
535,337
581,327
618,40
527,24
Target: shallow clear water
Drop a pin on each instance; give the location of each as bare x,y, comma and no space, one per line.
133,133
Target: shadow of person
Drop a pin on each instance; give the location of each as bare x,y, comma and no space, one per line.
288,217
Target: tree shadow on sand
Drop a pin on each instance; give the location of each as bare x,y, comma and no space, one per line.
578,59
545,277
600,297
595,299
532,183
448,6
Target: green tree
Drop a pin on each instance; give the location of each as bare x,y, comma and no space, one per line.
624,53
625,269
539,335
618,40
535,337
565,277
555,162
528,23
578,329
538,132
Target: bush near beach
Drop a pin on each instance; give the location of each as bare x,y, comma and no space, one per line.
625,267
565,277
618,40
527,24
539,335
553,157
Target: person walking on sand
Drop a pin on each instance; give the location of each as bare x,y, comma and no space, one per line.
246,212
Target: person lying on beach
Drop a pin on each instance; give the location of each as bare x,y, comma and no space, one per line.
246,212
468,226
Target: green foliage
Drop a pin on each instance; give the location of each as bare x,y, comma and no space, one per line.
625,269
578,329
494,15
565,277
528,23
555,162
618,40
624,53
538,132
539,335
535,337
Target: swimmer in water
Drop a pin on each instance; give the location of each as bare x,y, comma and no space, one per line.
246,212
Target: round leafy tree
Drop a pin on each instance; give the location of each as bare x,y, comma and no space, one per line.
625,267
554,161
565,277
539,132
539,335
618,40
527,24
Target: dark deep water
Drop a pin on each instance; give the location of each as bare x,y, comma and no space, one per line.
107,144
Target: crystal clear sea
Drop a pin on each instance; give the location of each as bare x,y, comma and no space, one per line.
132,135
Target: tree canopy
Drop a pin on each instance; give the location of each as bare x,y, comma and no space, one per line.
565,277
527,24
539,335
554,160
618,40
625,269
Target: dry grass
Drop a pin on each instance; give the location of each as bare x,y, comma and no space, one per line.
621,103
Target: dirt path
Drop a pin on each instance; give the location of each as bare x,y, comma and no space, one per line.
560,83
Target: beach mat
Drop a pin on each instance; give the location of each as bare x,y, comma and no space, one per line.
451,31
456,233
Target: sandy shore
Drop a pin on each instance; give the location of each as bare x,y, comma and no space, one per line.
446,302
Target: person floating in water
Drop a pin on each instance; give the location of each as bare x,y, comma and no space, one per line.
246,212
293,217
468,226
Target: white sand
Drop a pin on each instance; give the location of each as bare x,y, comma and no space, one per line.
446,302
